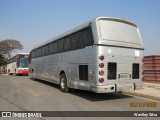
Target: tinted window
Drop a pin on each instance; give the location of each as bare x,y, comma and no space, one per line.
30,57
43,50
55,47
73,41
87,37
61,45
68,43
36,52
39,51
47,49
77,40
32,54
65,44
51,48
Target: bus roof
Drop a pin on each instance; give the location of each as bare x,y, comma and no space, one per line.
19,54
23,53
86,24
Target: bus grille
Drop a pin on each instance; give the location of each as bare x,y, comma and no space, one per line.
83,72
112,71
135,71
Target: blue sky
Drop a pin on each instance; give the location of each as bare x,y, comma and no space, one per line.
35,21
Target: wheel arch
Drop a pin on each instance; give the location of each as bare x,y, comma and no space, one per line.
63,72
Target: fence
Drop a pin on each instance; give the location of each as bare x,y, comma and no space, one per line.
152,68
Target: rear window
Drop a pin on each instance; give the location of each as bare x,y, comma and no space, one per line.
119,32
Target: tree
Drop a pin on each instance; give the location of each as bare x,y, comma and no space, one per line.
6,47
3,61
9,45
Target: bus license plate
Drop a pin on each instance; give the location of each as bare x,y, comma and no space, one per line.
124,75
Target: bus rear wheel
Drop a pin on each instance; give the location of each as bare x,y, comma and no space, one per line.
63,83
9,72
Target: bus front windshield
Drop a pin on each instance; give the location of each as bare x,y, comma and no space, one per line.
23,63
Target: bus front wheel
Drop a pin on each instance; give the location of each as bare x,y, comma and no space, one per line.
63,83
32,75
9,72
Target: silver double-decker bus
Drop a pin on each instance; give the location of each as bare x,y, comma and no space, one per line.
102,55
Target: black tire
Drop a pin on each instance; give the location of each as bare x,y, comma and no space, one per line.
9,72
16,73
63,84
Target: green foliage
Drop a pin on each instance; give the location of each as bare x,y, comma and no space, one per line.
6,47
9,45
3,61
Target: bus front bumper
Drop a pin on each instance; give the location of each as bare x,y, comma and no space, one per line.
23,71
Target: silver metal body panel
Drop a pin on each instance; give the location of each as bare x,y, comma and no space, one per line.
124,57
123,53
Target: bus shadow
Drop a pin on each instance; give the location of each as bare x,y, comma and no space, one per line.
46,83
98,96
88,95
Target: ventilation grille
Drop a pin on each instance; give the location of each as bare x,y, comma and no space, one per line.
135,71
83,72
112,71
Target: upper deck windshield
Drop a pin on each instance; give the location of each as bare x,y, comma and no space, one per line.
119,32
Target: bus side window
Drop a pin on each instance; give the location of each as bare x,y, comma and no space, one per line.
55,47
51,47
47,49
43,50
65,44
17,59
36,52
29,58
61,45
39,51
68,43
77,40
32,54
87,37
